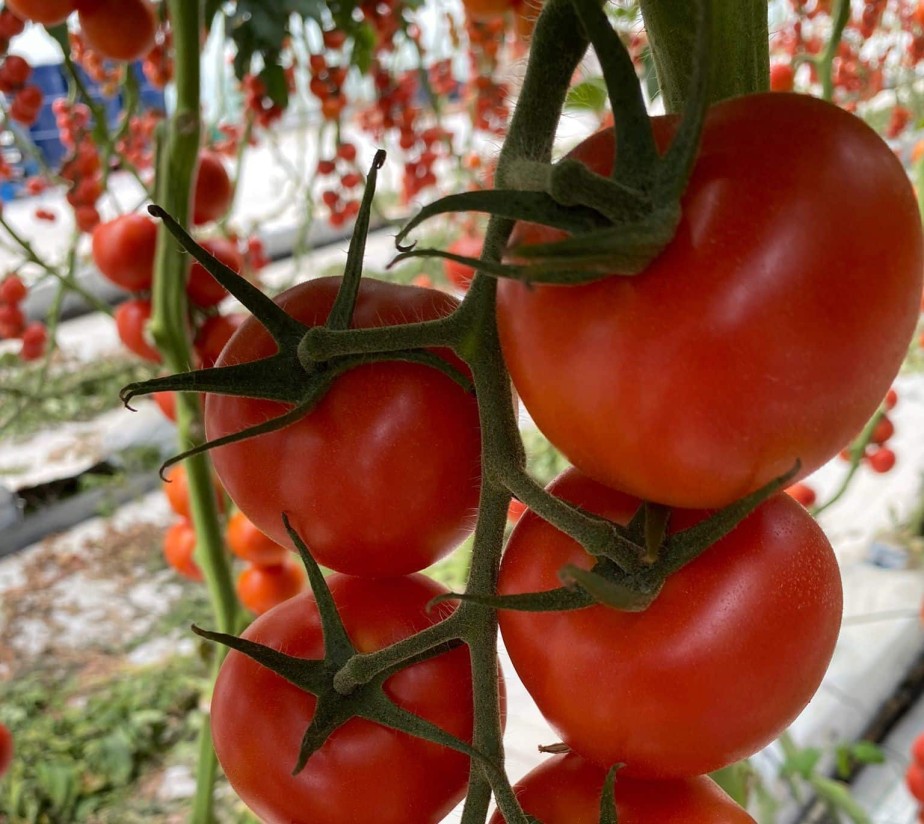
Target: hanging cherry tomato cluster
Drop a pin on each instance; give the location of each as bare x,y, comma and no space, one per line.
13,321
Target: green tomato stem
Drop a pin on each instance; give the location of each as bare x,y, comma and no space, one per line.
740,59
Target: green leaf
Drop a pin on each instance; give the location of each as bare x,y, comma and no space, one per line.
363,47
802,762
588,95
736,780
274,79
866,752
837,794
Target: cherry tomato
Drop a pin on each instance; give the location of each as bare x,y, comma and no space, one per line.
176,488
258,718
914,779
247,542
213,191
123,251
214,335
802,493
382,476
12,289
681,385
131,318
260,587
179,548
6,749
729,653
202,289
460,274
118,29
881,460
47,12
566,789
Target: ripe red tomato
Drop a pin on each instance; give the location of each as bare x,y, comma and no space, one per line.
258,718
213,192
34,341
566,789
176,488
47,12
214,335
12,289
382,477
247,542
914,779
802,493
881,460
260,588
118,29
202,289
729,653
131,318
736,351
460,274
179,548
123,251
6,749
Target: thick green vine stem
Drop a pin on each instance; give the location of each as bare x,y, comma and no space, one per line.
176,167
740,58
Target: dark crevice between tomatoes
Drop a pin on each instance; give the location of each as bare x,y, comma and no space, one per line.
618,224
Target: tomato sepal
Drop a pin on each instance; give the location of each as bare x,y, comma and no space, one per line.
316,676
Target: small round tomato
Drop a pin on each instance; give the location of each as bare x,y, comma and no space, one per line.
214,335
46,12
262,587
258,718
180,547
914,780
12,289
802,493
123,251
382,476
727,655
176,489
6,749
735,352
460,274
118,29
202,289
566,789
131,319
213,191
247,542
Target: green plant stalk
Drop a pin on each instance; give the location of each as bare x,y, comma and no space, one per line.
840,18
740,60
176,167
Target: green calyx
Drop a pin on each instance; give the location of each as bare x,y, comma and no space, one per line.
334,708
291,376
617,224
626,582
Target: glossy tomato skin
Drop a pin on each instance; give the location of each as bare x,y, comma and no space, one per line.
768,330
118,29
213,191
382,477
131,319
123,251
364,772
260,588
47,12
247,542
729,653
566,789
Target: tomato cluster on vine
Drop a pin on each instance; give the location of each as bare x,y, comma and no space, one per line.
14,323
